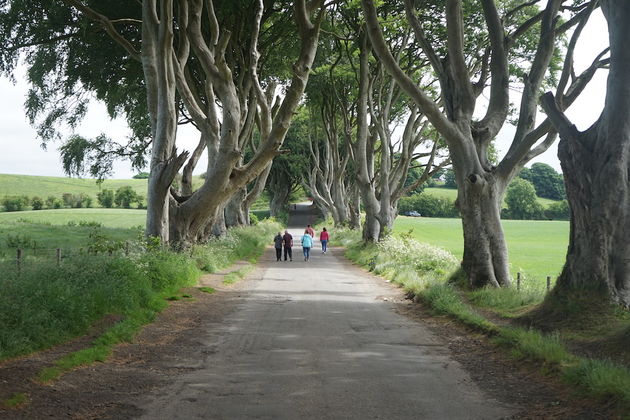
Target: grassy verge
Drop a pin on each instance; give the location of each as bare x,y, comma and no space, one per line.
423,272
46,304
15,401
242,243
237,275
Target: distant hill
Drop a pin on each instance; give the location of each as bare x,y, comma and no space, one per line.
44,186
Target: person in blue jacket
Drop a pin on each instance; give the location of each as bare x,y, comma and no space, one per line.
307,243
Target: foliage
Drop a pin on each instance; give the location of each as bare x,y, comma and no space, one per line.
76,201
21,241
14,203
125,196
547,182
48,304
239,243
449,179
141,175
106,198
558,211
428,205
37,203
521,201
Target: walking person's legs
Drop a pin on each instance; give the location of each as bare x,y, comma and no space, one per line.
324,246
288,252
279,254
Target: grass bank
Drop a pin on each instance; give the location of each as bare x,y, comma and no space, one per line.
424,271
45,304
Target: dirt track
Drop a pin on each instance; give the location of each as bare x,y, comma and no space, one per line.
317,339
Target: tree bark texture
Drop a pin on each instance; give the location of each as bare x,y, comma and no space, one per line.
596,167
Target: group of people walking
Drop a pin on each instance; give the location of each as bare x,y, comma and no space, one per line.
286,242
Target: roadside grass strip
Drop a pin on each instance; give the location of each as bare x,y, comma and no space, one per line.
237,275
205,289
16,401
600,378
424,271
45,304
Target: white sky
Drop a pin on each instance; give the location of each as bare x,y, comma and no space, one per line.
22,154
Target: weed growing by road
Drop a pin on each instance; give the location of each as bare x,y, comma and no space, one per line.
15,401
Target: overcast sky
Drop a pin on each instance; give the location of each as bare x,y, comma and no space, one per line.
22,154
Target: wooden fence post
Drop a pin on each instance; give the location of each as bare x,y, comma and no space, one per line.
58,256
548,283
518,281
126,248
19,260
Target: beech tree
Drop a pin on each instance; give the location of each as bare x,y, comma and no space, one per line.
596,167
331,101
472,56
207,57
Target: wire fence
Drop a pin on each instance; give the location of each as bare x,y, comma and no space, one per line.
23,256
519,282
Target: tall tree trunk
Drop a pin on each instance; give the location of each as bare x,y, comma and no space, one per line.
354,204
278,202
485,258
159,76
596,167
234,215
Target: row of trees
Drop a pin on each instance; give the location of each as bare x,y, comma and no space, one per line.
425,67
123,197
547,182
67,200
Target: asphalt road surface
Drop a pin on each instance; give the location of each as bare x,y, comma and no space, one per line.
321,340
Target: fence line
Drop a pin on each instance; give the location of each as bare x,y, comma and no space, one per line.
59,254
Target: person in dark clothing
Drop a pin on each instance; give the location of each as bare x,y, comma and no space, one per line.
277,241
288,243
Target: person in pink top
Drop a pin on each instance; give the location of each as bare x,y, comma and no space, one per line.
323,238
310,231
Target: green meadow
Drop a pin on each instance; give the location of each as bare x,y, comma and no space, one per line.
40,232
44,186
536,247
452,195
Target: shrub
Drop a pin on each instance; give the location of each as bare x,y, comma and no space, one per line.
521,201
141,175
20,241
125,196
558,211
37,203
68,199
53,202
49,304
253,219
105,198
14,203
428,205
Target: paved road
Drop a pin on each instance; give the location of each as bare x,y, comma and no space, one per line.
318,340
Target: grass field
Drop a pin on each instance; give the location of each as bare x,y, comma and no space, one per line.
44,186
46,230
537,248
452,195
113,218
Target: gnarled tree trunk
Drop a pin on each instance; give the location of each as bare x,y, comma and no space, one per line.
596,167
485,257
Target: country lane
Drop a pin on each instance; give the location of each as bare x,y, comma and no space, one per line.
321,340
